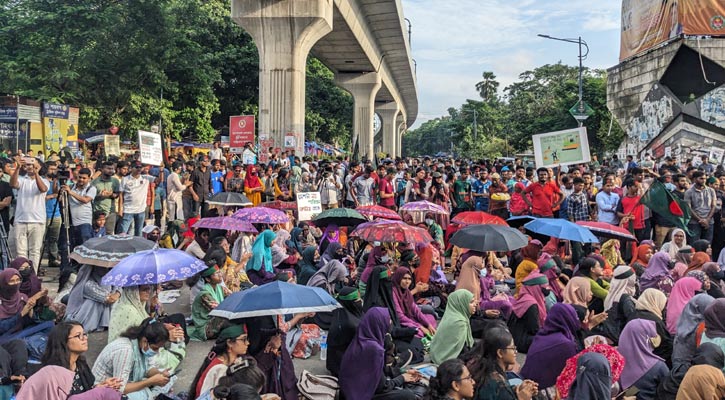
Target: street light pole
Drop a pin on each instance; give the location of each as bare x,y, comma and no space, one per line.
581,43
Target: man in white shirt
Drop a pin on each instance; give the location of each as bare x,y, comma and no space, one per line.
132,202
216,152
174,192
30,214
80,200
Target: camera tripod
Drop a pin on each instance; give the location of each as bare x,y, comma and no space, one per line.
64,245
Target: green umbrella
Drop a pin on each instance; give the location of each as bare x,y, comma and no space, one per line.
339,217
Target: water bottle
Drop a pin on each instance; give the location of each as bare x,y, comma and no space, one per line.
323,347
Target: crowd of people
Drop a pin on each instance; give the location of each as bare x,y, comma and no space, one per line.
616,319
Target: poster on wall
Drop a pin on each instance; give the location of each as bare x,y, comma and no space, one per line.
149,146
702,17
647,23
308,205
55,126
112,145
290,142
241,132
565,147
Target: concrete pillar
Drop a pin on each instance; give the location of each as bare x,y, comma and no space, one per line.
400,129
284,32
388,113
363,87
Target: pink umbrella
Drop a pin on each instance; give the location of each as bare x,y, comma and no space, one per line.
226,223
424,206
378,212
391,231
261,215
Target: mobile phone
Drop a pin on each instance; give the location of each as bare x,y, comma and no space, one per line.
175,372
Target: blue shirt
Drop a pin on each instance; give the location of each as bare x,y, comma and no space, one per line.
50,204
217,186
479,187
607,205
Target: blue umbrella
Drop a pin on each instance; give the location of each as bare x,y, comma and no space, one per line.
275,298
519,220
562,229
152,267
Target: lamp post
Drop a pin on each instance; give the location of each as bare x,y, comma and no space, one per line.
582,115
410,29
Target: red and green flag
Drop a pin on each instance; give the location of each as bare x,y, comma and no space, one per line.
667,205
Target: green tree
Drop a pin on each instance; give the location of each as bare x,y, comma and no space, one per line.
488,87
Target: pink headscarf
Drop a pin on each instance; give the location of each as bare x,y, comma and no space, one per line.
530,295
551,273
682,292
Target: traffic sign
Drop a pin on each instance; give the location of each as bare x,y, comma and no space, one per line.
581,111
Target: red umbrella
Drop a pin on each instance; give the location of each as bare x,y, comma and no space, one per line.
391,231
478,218
280,205
378,212
603,229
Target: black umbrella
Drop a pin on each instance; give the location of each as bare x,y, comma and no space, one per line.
107,251
489,238
230,199
339,217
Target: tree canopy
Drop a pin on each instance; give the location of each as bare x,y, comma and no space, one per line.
115,59
538,102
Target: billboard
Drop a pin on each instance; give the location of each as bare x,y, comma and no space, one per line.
648,23
565,147
241,131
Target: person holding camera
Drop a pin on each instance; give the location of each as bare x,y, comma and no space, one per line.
80,202
30,214
329,186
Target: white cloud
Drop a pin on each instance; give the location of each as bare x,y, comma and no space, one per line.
454,41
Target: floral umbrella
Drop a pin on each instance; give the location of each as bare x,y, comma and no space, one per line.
152,267
391,231
377,211
226,223
424,206
261,215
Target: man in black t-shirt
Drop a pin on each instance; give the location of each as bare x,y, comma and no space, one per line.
6,197
201,181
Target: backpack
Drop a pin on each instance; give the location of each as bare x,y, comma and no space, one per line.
318,387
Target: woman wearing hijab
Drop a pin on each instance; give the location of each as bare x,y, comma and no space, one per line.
260,268
267,337
682,292
651,306
530,255
552,346
334,251
408,311
685,342
345,321
295,240
454,335
643,370
593,378
529,310
473,278
658,275
209,298
30,284
715,275
702,382
363,373
89,301
56,383
707,354
283,190
329,236
611,253
641,259
14,306
677,241
307,266
619,304
714,324
330,277
578,292
548,266
253,185
682,261
698,260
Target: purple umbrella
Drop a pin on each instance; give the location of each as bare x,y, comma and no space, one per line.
424,206
226,223
261,215
152,267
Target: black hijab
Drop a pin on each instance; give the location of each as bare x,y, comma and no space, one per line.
379,292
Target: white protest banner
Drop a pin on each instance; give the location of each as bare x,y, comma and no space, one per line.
308,205
112,145
565,147
149,145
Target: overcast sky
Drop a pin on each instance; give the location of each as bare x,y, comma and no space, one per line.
454,41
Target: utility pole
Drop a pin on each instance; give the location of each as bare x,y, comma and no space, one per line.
581,115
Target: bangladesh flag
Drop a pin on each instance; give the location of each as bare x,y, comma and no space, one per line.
667,205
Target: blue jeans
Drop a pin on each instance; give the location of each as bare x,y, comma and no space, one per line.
698,232
138,220
81,233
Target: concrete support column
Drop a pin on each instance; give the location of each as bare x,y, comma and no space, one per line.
399,131
363,87
388,113
284,32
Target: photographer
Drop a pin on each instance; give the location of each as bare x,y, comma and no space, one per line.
30,210
80,198
329,185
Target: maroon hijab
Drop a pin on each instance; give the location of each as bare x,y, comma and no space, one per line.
406,298
11,300
31,284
